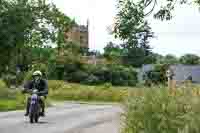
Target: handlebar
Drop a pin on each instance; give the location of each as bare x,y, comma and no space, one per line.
30,91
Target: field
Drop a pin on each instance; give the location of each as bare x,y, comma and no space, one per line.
61,91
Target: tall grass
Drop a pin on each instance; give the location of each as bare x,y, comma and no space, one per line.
107,93
156,110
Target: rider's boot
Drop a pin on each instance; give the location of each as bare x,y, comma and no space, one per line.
43,109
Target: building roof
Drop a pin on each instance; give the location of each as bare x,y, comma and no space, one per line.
182,72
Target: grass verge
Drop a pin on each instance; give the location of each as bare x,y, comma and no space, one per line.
156,110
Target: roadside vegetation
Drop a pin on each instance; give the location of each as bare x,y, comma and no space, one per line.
156,110
10,99
61,91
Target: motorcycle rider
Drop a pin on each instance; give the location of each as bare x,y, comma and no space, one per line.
41,85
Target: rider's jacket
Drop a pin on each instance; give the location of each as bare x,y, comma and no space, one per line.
41,86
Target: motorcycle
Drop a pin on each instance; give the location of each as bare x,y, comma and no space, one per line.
35,107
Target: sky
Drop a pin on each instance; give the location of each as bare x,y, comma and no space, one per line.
178,36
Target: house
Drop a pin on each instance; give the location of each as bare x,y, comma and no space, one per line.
181,72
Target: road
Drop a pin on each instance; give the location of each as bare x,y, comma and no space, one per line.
66,118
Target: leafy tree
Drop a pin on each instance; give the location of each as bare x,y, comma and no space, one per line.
113,52
170,59
165,11
26,23
189,59
112,49
134,30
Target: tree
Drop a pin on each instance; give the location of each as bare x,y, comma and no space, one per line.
130,25
170,59
29,23
112,49
113,52
165,11
132,28
189,59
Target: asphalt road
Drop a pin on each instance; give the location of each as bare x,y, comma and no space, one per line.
66,118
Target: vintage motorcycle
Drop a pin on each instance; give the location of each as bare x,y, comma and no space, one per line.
35,107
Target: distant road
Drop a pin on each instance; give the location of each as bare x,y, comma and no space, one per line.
66,118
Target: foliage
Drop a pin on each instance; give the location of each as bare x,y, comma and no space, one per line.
155,110
93,75
113,52
158,75
3,90
164,10
9,99
9,79
190,59
132,28
170,59
2,84
91,80
136,57
25,24
65,91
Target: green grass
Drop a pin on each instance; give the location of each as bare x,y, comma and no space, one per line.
76,92
156,110
8,105
61,91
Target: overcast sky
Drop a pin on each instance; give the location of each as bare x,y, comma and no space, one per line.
179,36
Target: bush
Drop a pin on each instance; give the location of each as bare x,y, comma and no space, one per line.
4,92
9,79
123,76
158,75
2,84
77,76
92,80
100,74
156,111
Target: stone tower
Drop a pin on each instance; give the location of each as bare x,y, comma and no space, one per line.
79,34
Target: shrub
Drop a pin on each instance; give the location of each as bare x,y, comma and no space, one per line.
2,84
9,79
100,74
156,111
91,80
77,76
158,75
123,76
4,92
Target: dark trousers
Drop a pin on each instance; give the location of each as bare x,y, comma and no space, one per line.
41,102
